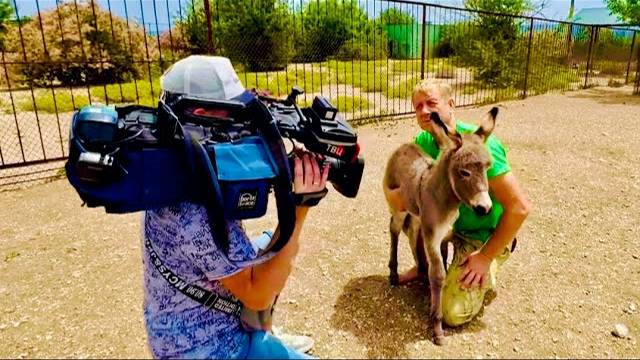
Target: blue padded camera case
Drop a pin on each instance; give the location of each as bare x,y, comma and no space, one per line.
155,177
245,170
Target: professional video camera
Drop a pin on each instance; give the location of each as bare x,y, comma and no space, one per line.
211,142
324,131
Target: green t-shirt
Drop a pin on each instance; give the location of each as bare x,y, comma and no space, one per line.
469,224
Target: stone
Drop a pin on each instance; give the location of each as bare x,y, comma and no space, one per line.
620,330
631,309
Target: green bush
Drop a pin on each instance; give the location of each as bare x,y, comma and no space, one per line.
611,68
255,33
450,35
552,77
612,46
357,49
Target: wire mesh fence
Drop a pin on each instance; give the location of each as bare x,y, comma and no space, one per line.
364,55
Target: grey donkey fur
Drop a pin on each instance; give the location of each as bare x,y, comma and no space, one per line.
432,192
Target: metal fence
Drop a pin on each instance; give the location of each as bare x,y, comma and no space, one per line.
365,55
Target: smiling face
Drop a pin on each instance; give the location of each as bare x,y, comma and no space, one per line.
431,97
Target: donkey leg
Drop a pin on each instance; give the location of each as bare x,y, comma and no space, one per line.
394,230
436,281
423,265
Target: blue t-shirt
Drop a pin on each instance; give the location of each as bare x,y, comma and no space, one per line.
177,326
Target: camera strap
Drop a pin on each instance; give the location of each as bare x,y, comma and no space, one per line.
194,292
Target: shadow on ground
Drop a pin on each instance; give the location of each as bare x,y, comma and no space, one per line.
386,319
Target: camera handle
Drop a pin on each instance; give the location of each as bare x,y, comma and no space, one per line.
291,99
295,92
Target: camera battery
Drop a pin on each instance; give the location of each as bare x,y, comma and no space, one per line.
96,124
94,167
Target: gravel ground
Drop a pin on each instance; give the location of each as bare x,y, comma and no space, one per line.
71,282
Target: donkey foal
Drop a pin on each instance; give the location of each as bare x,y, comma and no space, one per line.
432,192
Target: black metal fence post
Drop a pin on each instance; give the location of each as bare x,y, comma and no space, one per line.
526,71
207,13
589,60
424,41
636,90
570,44
633,43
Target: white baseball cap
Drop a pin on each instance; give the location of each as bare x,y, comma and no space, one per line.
208,77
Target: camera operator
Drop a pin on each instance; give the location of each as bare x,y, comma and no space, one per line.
179,327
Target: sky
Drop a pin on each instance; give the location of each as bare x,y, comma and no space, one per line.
167,11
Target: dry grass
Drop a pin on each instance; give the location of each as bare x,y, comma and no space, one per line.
71,283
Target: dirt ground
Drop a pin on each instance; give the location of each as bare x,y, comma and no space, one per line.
71,281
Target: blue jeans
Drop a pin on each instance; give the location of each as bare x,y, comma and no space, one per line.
263,345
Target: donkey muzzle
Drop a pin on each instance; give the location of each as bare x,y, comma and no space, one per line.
481,210
481,203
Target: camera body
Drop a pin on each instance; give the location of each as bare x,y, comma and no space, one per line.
322,130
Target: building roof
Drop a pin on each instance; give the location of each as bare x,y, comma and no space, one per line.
595,16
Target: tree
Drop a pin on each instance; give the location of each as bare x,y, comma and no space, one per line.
256,33
91,51
629,12
393,16
6,11
626,10
512,7
571,9
492,44
194,28
331,25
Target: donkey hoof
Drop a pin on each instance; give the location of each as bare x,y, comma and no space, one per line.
394,279
439,340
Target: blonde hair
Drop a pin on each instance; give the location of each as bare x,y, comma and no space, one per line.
429,85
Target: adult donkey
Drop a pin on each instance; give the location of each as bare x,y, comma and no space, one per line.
432,192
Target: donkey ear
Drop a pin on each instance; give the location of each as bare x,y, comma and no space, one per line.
444,137
488,124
